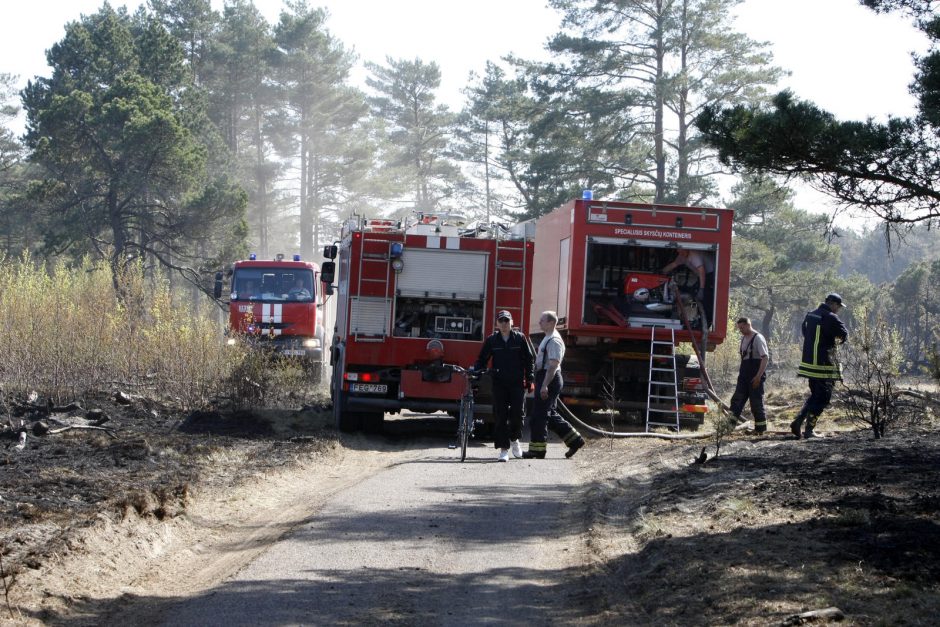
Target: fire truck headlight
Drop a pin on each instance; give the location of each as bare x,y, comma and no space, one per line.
312,342
397,265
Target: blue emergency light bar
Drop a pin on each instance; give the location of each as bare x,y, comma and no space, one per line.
252,256
296,257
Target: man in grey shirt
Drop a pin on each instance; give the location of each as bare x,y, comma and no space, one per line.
751,375
548,384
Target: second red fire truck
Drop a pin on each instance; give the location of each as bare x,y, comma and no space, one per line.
600,265
412,296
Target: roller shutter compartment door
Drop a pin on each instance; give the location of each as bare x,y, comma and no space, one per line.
442,274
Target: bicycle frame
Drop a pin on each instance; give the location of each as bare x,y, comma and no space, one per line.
465,419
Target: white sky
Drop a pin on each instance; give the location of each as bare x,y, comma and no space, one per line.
841,56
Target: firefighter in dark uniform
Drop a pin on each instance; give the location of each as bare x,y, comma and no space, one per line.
821,330
751,377
548,384
512,373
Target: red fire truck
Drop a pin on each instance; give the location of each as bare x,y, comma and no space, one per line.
278,304
599,265
411,297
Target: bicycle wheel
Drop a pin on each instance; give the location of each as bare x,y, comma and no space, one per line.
466,425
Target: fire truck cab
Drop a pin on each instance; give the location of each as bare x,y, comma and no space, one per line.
278,304
411,297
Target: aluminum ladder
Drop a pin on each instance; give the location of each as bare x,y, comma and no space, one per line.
662,397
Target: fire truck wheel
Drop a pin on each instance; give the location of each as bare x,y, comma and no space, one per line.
345,420
580,412
373,421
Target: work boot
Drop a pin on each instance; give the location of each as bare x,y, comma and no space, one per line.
795,427
533,455
503,455
516,448
809,434
574,447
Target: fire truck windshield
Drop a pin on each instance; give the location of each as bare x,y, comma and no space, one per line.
273,285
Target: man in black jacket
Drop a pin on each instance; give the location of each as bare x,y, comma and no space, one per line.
822,328
512,371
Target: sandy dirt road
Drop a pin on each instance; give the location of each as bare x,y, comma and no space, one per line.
428,540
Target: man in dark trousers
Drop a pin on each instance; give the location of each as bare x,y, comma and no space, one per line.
548,384
512,373
821,330
751,377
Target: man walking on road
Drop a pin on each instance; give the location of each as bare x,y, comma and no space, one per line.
512,375
822,328
751,377
548,383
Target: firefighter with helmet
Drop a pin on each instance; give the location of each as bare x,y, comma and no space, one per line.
822,328
513,371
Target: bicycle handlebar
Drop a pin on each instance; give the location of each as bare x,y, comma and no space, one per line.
467,372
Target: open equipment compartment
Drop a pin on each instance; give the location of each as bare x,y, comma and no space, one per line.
624,284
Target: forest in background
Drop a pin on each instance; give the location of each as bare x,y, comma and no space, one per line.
177,138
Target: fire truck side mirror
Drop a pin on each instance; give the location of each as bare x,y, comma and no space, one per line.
217,289
329,252
327,274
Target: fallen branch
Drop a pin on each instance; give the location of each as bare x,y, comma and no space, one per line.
894,395
110,432
826,614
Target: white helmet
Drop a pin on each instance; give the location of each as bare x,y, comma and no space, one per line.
642,295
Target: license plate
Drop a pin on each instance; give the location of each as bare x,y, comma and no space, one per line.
370,388
294,352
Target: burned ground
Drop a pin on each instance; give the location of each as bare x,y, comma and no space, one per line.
147,465
769,528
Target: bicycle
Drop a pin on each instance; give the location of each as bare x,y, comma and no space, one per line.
465,420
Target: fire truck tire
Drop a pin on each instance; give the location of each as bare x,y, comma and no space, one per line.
580,412
373,421
345,420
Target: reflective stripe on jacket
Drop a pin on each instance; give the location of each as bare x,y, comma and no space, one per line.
821,329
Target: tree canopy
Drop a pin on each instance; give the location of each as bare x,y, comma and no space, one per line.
126,177
890,168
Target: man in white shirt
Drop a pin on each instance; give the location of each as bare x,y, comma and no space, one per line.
751,376
548,383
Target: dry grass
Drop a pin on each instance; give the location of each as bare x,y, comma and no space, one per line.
65,333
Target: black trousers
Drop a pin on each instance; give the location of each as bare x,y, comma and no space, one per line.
709,304
744,392
508,407
545,415
820,393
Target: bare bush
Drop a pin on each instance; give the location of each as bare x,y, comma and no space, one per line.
871,367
